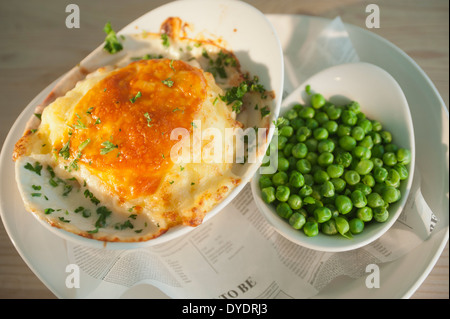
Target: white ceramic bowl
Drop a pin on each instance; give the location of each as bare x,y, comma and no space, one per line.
242,29
382,99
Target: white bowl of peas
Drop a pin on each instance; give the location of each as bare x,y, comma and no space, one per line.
340,166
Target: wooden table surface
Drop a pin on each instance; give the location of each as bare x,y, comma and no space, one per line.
36,48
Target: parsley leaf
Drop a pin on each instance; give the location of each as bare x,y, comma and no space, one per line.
165,40
112,44
108,147
147,116
167,82
37,168
138,95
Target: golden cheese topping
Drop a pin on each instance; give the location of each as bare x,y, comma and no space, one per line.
121,128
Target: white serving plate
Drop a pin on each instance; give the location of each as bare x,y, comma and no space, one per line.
37,246
233,22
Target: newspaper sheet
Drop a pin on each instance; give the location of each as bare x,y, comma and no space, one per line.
237,254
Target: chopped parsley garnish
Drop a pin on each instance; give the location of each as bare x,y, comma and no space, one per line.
49,211
167,82
147,57
64,220
124,225
36,168
103,213
165,40
91,196
84,144
171,65
107,147
112,44
80,125
147,116
236,94
65,150
39,116
265,111
138,95
36,187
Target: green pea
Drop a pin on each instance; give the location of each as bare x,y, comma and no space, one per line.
296,179
344,159
280,178
380,174
354,107
312,124
377,162
265,181
268,194
368,180
335,170
365,214
358,199
321,117
291,114
311,228
299,150
297,123
295,202
312,158
356,226
343,130
322,214
366,190
349,117
297,220
393,178
286,131
282,193
331,126
317,101
391,194
320,133
334,112
376,126
329,227
320,176
325,146
402,171
309,179
348,143
283,164
311,144
367,142
307,112
325,159
352,177
375,200
327,189
342,226
302,134
284,210
378,151
365,124
339,184
380,214
386,137
358,133
305,191
376,137
282,140
362,152
404,156
364,167
343,204
391,147
389,159
303,166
